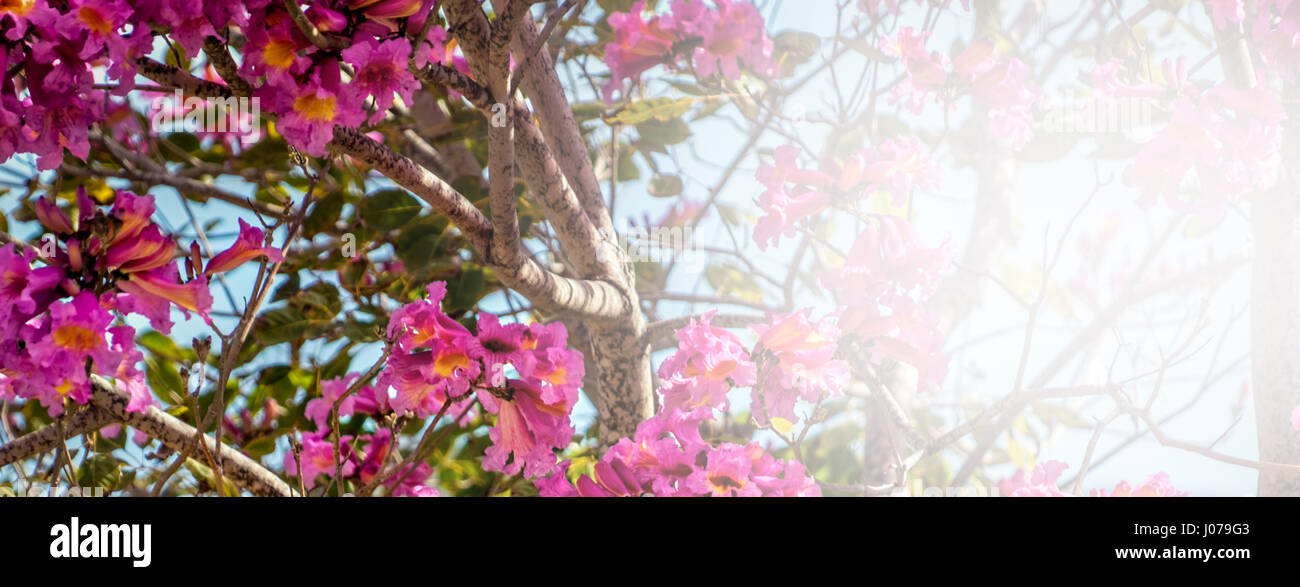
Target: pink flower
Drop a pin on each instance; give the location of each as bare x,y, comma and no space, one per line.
886,281
1041,483
24,291
247,247
723,37
380,71
708,363
501,345
272,51
416,324
900,165
726,473
309,111
388,11
320,410
732,34
317,458
1226,142
638,45
528,430
1157,485
152,290
805,367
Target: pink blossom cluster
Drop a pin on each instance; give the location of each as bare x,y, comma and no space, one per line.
1002,87
109,263
1274,28
668,456
1042,482
1222,143
61,50
524,374
304,85
897,167
709,39
885,284
361,458
797,362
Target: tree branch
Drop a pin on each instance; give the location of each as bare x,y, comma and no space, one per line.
108,406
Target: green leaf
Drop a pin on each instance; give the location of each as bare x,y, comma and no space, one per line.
359,331
663,132
627,169
417,246
389,209
284,325
662,109
323,215
793,48
664,186
261,447
689,87
202,471
162,375
464,293
101,470
161,345
729,280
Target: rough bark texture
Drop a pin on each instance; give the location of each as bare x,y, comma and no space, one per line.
1274,287
555,163
1275,320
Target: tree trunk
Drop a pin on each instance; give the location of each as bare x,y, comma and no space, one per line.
1275,316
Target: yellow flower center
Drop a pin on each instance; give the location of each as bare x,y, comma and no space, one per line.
724,483
76,338
279,54
447,364
95,20
17,7
558,377
315,108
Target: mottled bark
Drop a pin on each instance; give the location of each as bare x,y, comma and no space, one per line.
1275,319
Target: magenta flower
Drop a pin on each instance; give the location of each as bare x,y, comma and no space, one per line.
310,110
416,324
638,45
24,291
380,72
431,361
1157,485
1041,483
152,290
273,51
724,37
726,473
320,410
805,367
733,33
250,245
317,458
528,429
708,363
500,346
